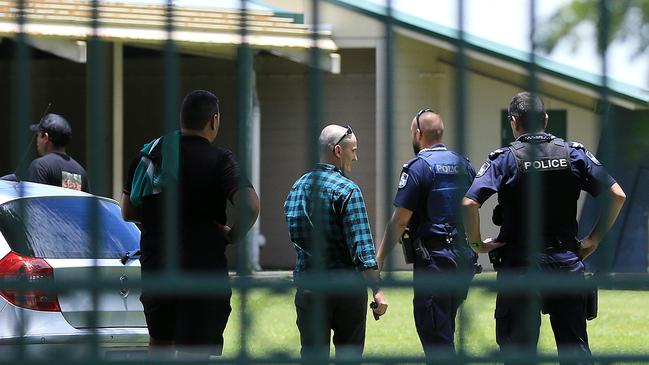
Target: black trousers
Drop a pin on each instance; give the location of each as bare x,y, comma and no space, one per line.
193,323
344,314
518,316
435,309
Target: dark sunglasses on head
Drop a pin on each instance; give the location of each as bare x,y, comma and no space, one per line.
349,132
419,113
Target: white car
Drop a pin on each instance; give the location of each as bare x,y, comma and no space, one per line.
45,234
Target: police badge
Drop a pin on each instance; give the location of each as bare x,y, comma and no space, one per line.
403,180
593,158
485,166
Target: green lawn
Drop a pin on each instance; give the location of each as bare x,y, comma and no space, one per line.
622,326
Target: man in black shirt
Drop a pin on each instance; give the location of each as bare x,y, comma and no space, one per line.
55,167
207,178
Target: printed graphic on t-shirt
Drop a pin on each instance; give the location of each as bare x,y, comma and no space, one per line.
70,180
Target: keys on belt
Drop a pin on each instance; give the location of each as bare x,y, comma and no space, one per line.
423,251
438,242
423,245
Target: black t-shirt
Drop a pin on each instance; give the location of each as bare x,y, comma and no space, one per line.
208,178
58,169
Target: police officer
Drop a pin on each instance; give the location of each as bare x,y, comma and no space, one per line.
563,169
431,187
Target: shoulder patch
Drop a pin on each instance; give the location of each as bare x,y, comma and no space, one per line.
403,180
593,158
496,153
485,166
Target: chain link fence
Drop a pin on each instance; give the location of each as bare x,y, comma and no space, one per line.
245,25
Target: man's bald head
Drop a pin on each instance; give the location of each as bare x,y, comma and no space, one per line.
338,147
431,126
427,129
329,136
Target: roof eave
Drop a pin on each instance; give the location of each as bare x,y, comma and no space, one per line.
626,95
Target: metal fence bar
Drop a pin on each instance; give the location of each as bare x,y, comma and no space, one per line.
461,111
312,353
534,202
186,283
173,281
22,91
244,151
607,128
96,122
388,116
170,146
22,95
487,359
170,123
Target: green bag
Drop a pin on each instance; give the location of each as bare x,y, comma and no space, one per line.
158,163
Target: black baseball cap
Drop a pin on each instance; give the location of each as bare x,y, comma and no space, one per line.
56,127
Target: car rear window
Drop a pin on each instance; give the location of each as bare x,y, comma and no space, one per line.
61,228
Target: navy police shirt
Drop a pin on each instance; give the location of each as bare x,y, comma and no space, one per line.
500,174
432,186
500,170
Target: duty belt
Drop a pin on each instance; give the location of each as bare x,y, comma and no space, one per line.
558,244
436,242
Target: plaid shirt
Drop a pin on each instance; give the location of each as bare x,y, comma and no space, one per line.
337,213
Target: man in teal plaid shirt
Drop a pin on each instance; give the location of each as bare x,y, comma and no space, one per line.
327,208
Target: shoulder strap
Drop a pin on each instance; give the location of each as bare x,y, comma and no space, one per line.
494,154
577,145
517,145
563,145
409,163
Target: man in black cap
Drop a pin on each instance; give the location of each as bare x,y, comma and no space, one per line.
55,167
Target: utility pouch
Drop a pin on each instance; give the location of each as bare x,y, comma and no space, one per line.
591,300
477,268
408,247
496,258
497,216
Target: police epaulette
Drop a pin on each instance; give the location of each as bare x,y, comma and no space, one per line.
410,162
577,145
496,153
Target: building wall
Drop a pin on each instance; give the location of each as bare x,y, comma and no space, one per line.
144,96
283,86
52,80
354,97
284,100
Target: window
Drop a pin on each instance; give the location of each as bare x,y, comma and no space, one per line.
60,228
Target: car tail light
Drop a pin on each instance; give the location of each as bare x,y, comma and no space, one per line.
31,270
